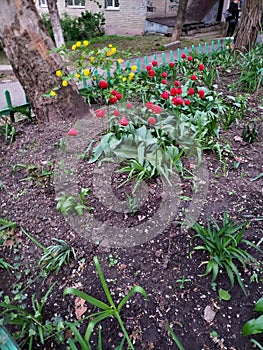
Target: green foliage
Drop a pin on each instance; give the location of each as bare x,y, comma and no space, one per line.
7,229
174,337
250,134
222,244
68,204
106,310
31,325
255,326
5,265
8,130
37,174
56,255
85,26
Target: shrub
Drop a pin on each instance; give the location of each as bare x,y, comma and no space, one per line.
87,25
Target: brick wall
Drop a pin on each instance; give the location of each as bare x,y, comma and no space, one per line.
129,19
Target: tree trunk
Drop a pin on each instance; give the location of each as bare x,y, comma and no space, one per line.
249,25
180,18
26,43
55,22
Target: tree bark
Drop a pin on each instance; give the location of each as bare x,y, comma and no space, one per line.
27,43
180,19
249,25
55,22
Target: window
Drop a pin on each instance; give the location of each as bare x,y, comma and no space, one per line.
112,4
43,3
75,3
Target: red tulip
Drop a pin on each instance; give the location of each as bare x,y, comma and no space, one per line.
165,95
177,101
129,105
73,132
116,113
156,109
152,120
151,73
193,77
171,64
113,99
149,105
191,91
154,63
103,84
201,93
177,83
201,67
183,56
118,95
100,113
124,121
164,82
190,58
187,102
164,75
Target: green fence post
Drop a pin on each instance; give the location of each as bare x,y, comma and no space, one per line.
163,58
193,49
199,49
179,54
213,46
206,48
146,60
186,51
155,57
9,105
171,56
128,64
138,64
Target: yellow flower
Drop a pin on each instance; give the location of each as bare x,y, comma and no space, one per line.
94,78
78,43
53,93
108,53
73,47
131,75
110,45
64,83
120,60
92,59
113,50
58,73
86,72
77,75
133,67
124,79
85,42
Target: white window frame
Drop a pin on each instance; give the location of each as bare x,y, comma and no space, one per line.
112,5
43,3
73,5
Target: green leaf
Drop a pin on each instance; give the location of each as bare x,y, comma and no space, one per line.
253,326
87,298
259,305
135,289
96,320
224,294
174,337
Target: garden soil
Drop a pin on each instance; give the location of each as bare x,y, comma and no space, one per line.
157,265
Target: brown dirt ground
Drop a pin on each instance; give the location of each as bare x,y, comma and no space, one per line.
155,265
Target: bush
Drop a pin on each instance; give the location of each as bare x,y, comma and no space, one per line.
87,25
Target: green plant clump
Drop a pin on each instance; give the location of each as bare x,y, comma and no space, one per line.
222,244
106,310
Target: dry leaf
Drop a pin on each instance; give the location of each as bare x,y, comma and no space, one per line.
209,314
80,307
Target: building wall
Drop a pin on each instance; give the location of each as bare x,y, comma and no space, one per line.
128,19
